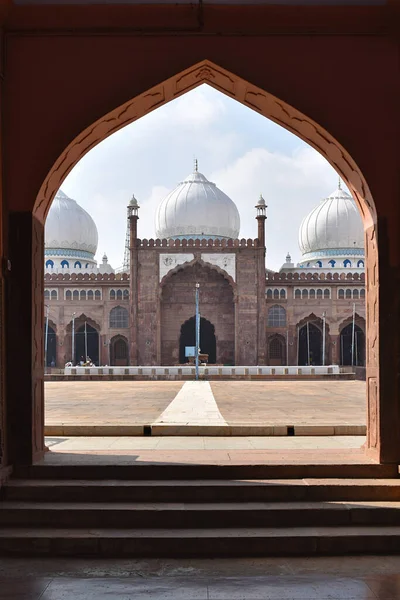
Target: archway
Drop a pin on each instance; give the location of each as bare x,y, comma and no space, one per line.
352,354
119,353
86,344
310,345
50,348
283,114
276,350
208,344
216,306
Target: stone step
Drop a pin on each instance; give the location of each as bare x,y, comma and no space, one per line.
261,490
306,541
204,515
168,471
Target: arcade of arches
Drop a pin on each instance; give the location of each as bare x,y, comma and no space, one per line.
257,76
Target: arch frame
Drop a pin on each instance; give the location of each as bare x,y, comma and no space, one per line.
291,119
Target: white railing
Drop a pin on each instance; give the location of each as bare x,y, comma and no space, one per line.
203,371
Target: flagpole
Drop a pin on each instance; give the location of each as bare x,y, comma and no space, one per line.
73,338
352,334
323,338
46,341
85,342
287,347
308,343
197,331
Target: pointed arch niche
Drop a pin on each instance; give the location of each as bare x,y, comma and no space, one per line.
381,412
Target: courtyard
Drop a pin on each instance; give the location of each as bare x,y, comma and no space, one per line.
223,408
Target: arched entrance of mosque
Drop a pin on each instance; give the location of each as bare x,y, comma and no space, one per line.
294,121
217,310
87,344
119,354
50,347
310,345
208,344
352,348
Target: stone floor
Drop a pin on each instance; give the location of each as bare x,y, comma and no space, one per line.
199,450
327,578
198,443
274,404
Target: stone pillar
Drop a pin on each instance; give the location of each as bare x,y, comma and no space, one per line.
24,339
382,335
60,349
334,351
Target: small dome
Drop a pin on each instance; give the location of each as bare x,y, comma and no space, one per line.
335,224
70,227
197,208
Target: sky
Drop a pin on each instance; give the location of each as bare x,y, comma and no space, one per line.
242,152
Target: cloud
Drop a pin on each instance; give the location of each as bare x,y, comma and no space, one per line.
292,184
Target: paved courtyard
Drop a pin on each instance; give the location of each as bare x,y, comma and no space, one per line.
335,407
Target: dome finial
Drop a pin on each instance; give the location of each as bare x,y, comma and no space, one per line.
340,183
196,165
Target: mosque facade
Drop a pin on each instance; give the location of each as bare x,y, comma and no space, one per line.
144,314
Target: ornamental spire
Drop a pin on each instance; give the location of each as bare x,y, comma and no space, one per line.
340,184
196,165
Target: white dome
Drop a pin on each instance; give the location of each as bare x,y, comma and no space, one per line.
69,230
332,227
197,208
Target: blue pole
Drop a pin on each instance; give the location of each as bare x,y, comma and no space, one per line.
197,331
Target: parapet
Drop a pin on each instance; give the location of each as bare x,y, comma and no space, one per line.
197,243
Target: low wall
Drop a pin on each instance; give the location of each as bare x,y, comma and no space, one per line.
203,371
187,373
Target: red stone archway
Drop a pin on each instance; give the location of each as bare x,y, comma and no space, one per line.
284,115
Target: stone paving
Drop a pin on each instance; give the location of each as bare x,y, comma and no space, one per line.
198,450
116,408
333,578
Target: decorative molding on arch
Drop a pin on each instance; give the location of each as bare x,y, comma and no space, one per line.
79,321
313,319
359,320
250,95
204,264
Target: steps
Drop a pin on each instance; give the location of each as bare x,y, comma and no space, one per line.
209,517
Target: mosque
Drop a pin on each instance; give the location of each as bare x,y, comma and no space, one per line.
143,314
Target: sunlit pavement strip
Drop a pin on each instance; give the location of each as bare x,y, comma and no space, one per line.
104,444
194,404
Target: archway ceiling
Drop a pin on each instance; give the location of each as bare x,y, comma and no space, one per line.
237,2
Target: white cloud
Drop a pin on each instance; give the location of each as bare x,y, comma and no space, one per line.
291,185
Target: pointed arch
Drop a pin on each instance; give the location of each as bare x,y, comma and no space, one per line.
281,113
235,87
202,263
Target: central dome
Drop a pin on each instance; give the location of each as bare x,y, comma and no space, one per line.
196,208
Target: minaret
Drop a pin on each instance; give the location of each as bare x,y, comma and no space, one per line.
133,216
262,316
261,216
